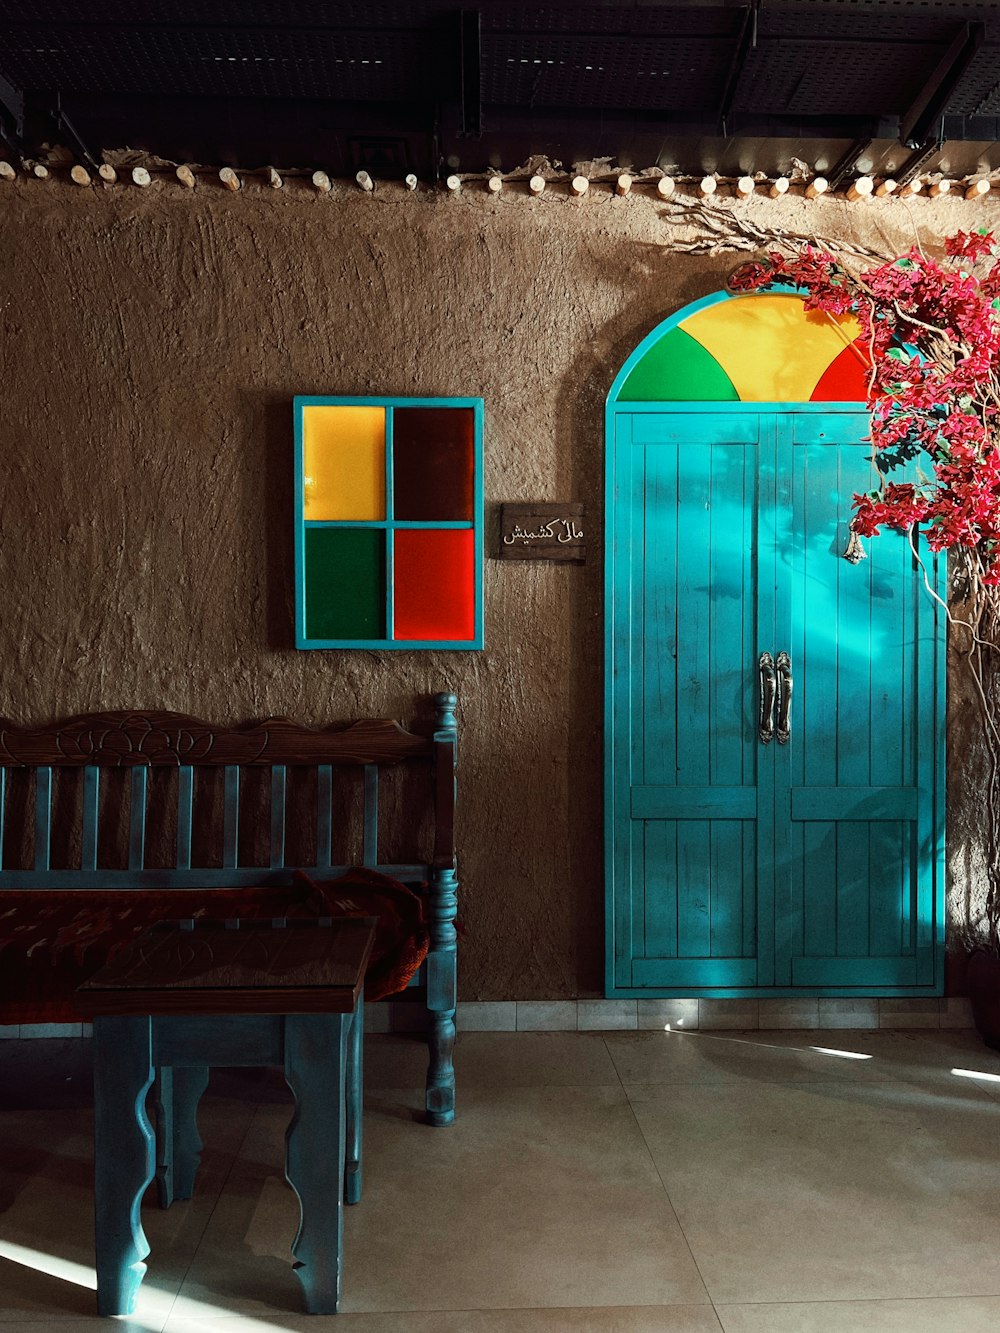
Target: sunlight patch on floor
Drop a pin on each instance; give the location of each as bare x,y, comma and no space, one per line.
843,1055
765,1045
154,1306
976,1073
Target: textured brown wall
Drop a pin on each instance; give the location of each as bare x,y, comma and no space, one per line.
153,340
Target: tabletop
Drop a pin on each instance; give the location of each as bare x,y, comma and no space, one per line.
300,967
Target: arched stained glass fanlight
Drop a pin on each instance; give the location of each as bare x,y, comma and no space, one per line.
755,348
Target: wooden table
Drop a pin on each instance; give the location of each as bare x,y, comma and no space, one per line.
182,999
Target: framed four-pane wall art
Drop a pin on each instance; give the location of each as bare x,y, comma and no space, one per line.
388,522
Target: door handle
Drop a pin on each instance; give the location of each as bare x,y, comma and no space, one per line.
785,685
768,687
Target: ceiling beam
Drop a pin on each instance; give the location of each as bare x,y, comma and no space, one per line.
471,69
921,119
745,43
12,107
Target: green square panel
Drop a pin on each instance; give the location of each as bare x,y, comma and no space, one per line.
345,583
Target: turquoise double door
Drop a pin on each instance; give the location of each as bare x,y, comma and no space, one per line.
775,716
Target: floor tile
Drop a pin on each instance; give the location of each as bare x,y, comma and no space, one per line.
536,1197
600,1319
47,1204
495,1059
535,1059
817,1181
833,1190
958,1315
710,1057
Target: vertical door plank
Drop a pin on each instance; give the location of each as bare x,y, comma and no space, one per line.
816,515
771,618
623,705
659,857
855,678
659,653
694,597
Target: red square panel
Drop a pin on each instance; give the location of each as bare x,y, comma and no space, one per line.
434,585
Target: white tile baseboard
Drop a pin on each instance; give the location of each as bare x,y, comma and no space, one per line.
627,1015
746,1015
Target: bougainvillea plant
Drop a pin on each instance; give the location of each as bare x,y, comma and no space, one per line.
930,340
930,336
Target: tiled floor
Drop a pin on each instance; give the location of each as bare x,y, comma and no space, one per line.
595,1182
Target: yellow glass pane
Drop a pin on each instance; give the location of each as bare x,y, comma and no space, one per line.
770,346
343,462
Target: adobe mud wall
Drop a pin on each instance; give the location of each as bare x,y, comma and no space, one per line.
152,342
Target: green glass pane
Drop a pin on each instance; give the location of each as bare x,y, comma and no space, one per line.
678,368
345,583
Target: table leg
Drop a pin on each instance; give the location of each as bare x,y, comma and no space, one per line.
190,1081
124,1156
315,1144
355,1098
163,1121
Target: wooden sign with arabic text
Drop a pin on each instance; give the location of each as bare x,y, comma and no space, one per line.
542,532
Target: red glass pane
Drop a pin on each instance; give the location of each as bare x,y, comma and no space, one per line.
434,585
433,460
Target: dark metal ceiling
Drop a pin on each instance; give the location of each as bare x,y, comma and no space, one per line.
731,86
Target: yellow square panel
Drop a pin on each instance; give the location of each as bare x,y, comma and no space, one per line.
343,462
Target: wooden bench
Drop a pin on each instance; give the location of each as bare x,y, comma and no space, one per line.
111,822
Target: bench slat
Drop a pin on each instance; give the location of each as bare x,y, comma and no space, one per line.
91,807
231,818
370,851
137,819
324,815
43,818
277,816
185,806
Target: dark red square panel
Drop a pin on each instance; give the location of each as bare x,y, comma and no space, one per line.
434,585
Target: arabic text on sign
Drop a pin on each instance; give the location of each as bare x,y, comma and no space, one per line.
566,531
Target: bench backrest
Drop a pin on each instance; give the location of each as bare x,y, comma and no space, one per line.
199,771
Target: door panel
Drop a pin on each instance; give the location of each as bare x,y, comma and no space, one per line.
741,867
692,779
854,876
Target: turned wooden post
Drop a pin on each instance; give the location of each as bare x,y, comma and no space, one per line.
441,959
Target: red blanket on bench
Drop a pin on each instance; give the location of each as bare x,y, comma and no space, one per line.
51,940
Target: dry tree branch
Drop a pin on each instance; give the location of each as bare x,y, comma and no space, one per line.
729,231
